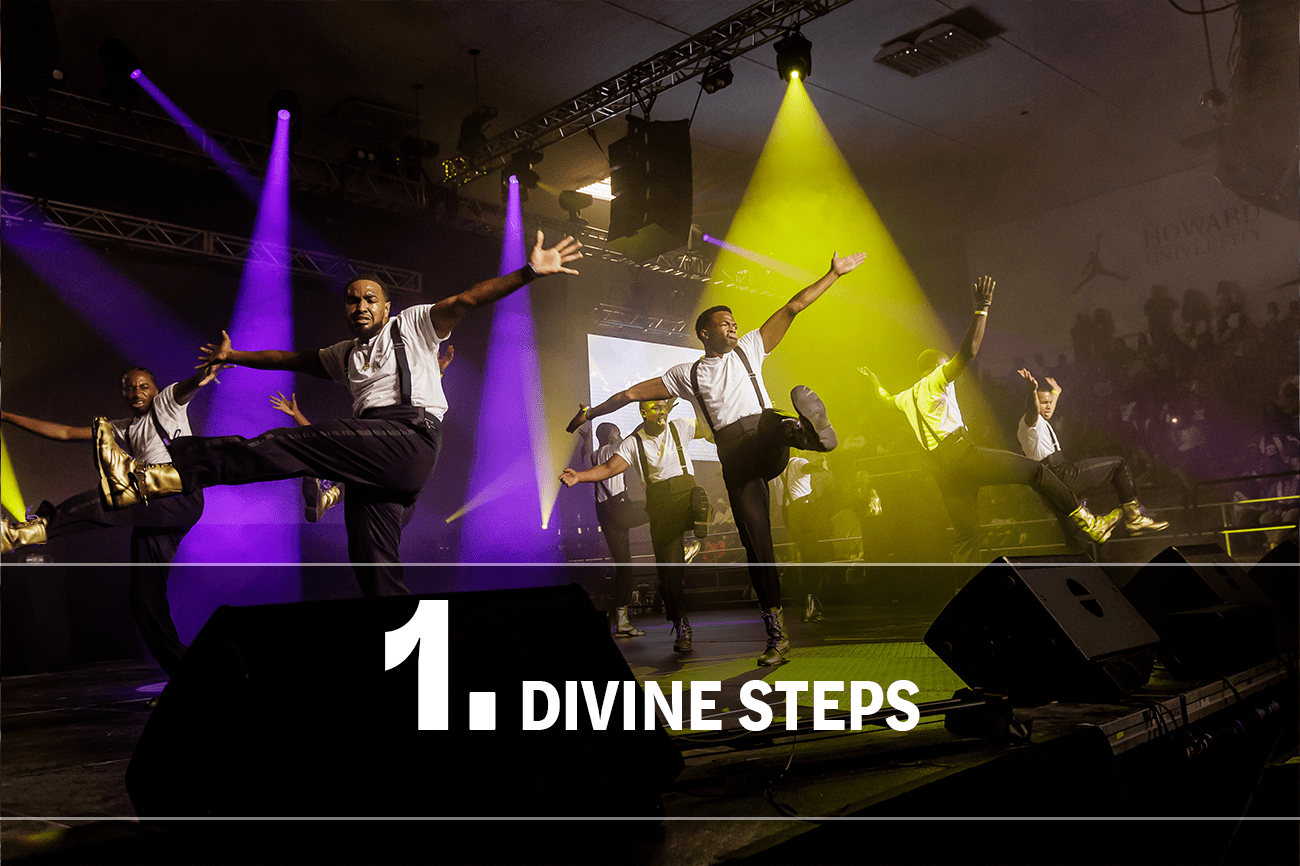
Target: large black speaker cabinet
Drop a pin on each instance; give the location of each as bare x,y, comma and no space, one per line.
1044,629
1277,575
1210,614
287,710
650,176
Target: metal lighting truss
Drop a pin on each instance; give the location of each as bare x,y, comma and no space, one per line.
82,117
756,26
86,222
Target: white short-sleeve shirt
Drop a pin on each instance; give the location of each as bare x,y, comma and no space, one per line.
369,368
1038,441
936,400
661,455
797,479
724,383
140,437
613,484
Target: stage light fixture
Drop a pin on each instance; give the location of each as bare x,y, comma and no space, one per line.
520,167
794,57
472,141
718,75
573,202
283,101
120,66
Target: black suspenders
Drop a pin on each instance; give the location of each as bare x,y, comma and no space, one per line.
645,465
403,368
699,398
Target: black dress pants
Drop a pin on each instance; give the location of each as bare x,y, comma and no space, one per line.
961,469
669,505
616,517
753,451
156,533
384,462
1096,472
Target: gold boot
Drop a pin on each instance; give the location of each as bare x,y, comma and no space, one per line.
320,496
124,482
778,640
624,627
1096,528
1136,520
22,534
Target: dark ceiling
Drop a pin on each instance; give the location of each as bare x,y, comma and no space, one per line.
1072,99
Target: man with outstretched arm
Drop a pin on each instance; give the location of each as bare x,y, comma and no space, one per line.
319,495
384,453
726,387
1038,440
658,449
960,467
158,421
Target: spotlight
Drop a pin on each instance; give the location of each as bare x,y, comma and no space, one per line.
120,67
520,167
284,105
472,141
794,57
718,75
573,202
135,76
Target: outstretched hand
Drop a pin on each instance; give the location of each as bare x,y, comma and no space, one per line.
1051,383
553,260
984,291
213,354
289,406
1029,379
444,361
841,265
578,420
568,477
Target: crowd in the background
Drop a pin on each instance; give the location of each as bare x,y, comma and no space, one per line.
1203,403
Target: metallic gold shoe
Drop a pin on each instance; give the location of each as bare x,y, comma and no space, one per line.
319,496
624,627
778,639
691,551
683,629
1096,528
1136,520
124,482
17,535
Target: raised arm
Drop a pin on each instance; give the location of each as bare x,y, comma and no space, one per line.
970,344
290,408
611,467
875,389
650,389
779,322
187,388
1031,398
48,429
213,355
447,312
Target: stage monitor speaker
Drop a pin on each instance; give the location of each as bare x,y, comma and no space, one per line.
1210,614
1044,629
1277,575
651,179
287,711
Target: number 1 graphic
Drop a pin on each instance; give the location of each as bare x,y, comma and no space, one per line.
427,628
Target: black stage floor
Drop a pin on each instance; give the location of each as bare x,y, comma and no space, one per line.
1084,783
